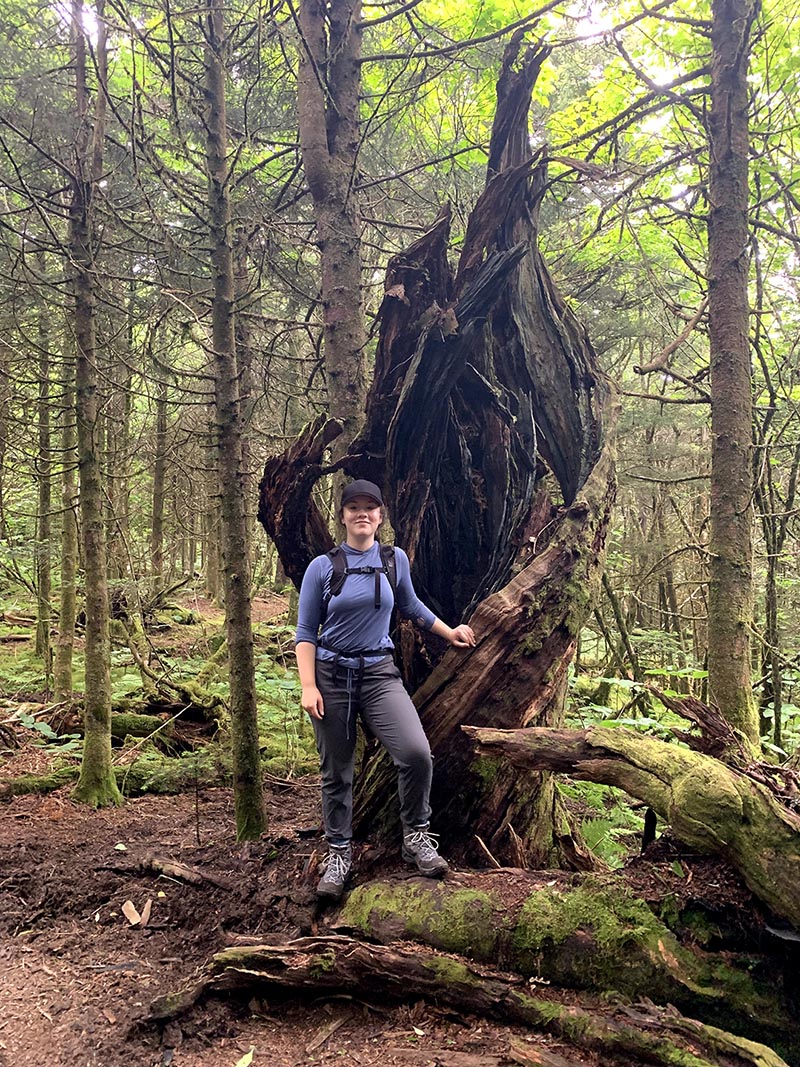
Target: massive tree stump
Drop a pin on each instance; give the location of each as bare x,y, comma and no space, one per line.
488,426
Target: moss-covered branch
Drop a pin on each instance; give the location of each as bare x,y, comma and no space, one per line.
150,773
710,806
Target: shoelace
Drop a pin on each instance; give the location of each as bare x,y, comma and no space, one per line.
338,866
424,843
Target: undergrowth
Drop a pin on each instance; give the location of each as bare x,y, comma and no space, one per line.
180,654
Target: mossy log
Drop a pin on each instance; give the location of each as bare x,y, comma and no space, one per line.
710,806
150,773
590,936
336,964
129,724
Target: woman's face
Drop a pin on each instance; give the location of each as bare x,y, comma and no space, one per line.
361,517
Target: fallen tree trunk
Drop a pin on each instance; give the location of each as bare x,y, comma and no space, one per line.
316,965
593,936
710,806
150,773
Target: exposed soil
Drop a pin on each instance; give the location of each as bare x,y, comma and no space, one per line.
76,977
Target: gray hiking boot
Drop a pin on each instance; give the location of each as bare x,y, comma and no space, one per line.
420,846
337,868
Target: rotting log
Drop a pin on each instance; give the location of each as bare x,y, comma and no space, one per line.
592,936
710,806
336,964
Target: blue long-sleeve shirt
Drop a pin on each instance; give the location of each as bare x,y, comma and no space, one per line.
352,621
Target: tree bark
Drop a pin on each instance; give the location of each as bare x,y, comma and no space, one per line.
62,669
316,965
44,507
159,473
328,87
731,543
248,790
96,784
710,806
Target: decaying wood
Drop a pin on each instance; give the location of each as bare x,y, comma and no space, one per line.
316,965
286,509
488,426
710,806
589,935
173,869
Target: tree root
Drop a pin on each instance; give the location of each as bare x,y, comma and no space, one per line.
644,1033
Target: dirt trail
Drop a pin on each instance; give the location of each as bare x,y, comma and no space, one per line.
75,976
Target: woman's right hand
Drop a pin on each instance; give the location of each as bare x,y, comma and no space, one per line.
311,700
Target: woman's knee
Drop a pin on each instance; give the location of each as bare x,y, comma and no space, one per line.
415,757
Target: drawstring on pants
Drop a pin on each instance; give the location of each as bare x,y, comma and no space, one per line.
354,676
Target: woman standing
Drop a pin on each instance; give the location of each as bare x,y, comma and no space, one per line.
344,656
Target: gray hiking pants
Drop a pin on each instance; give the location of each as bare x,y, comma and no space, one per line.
389,714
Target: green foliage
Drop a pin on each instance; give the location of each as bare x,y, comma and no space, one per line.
61,743
287,739
614,831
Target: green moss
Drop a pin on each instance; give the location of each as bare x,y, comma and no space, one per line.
461,920
323,964
486,769
451,972
553,916
34,783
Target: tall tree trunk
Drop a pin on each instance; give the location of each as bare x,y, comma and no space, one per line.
44,508
159,472
238,615
118,436
97,784
244,360
328,86
731,544
62,670
5,407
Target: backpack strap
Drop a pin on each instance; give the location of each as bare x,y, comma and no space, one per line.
341,570
389,565
338,575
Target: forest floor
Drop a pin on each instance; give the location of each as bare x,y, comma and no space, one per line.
77,977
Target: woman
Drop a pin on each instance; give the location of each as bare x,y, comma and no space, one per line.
344,656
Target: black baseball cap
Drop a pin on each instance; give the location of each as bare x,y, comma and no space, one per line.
361,488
